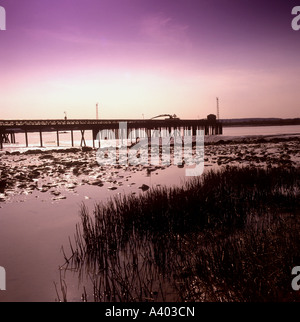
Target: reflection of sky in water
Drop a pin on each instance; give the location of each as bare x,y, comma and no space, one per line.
36,227
261,130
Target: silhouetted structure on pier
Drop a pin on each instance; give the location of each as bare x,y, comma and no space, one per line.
8,128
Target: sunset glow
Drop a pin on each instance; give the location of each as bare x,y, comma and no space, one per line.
139,57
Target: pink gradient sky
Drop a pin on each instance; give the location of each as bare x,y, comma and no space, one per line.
139,57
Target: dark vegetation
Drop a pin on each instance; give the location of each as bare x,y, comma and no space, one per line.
260,122
230,235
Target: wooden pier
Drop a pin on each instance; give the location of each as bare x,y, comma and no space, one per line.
8,128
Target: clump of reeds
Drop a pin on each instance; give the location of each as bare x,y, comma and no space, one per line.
228,235
249,264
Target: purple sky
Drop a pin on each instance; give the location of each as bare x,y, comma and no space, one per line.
149,57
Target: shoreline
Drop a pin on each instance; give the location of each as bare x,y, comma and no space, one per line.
56,170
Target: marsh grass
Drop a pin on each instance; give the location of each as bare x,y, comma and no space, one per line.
229,235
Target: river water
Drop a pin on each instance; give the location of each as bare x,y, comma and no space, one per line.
261,130
34,227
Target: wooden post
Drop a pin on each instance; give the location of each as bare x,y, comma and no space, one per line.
57,135
82,138
206,130
117,134
41,138
148,132
136,134
26,138
5,137
12,137
72,138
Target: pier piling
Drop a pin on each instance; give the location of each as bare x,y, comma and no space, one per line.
136,128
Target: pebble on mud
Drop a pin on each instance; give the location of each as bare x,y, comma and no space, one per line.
144,187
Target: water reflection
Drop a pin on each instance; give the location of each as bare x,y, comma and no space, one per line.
124,263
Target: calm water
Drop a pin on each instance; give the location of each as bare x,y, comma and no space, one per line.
261,130
33,228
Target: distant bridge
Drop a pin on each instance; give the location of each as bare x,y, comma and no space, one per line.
8,128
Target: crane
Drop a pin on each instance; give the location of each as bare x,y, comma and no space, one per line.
173,117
